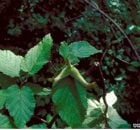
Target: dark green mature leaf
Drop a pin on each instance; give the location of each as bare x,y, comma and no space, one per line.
20,104
2,98
10,63
37,56
70,100
83,49
4,122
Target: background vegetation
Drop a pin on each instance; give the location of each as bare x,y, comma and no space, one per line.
112,26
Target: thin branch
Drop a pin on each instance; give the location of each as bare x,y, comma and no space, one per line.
72,19
105,52
104,95
103,55
96,7
113,42
103,85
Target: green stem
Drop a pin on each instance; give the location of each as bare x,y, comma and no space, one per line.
76,74
70,70
64,73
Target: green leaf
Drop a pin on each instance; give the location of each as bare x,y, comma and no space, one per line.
49,117
4,122
75,50
10,63
20,104
115,121
37,56
64,50
39,126
70,100
45,92
83,49
73,59
135,64
2,98
132,28
94,117
111,98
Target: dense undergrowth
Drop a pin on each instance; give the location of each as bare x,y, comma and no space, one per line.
96,41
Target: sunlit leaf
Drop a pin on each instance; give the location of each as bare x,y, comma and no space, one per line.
111,98
10,63
37,56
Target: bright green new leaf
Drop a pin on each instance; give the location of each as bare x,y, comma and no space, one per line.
39,126
83,49
2,98
20,104
10,63
70,100
37,56
64,50
4,122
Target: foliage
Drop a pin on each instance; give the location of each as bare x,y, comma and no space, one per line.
69,87
63,81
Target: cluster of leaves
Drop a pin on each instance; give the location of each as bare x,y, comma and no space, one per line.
19,99
68,91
